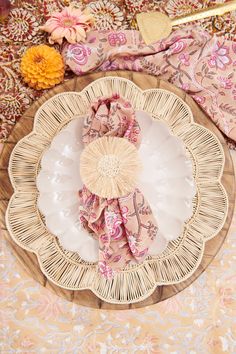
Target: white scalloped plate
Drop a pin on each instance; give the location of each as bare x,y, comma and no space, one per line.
166,180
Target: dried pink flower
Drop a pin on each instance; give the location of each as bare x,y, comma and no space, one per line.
71,23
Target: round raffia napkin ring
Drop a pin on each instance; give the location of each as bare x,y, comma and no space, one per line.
162,291
109,167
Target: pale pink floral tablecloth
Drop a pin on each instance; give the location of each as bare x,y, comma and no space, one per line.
199,320
21,31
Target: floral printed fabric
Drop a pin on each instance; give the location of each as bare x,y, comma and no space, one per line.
202,65
200,319
21,30
125,227
202,316
111,117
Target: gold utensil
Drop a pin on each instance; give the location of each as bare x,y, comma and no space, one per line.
156,25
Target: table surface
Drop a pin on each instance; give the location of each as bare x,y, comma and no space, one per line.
200,319
29,260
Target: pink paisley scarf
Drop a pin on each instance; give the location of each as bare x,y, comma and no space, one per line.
202,65
125,227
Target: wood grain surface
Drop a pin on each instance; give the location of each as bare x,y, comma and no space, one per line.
29,261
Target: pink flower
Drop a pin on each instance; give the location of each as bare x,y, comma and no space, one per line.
118,38
199,99
177,47
184,58
70,24
79,53
219,58
225,82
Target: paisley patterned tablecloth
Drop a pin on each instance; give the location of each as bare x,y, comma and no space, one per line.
201,319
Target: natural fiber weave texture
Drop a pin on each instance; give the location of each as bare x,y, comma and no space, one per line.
182,256
109,167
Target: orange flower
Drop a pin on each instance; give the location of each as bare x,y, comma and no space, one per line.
42,67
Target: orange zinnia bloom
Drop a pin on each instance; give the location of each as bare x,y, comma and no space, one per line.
42,67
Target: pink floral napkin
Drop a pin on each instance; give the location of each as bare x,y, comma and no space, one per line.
112,116
125,227
202,65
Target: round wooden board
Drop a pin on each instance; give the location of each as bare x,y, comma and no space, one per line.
29,260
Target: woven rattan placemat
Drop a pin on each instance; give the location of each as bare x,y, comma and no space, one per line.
212,246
